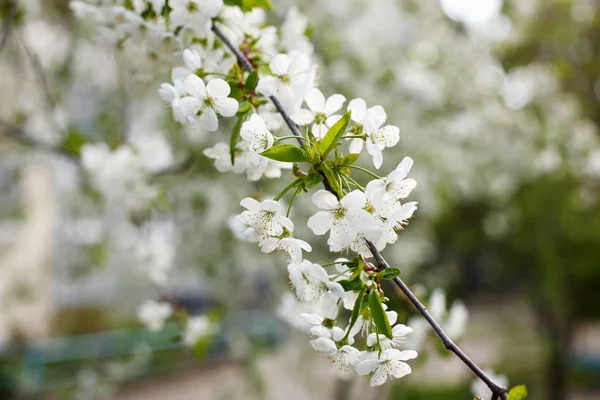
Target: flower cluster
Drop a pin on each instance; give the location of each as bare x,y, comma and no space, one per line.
262,92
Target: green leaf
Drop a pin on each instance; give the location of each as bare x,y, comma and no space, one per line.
248,5
349,159
331,139
286,153
244,108
389,273
235,136
378,314
356,311
251,81
73,142
517,393
313,179
354,284
332,179
201,347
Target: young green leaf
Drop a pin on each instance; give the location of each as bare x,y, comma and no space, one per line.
73,142
349,159
334,134
354,284
389,273
286,153
235,136
251,81
517,393
243,109
332,178
378,313
357,310
313,179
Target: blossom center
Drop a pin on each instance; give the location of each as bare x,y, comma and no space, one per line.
320,118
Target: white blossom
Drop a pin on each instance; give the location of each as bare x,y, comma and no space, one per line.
194,14
312,285
346,218
389,365
399,333
265,217
321,112
346,356
207,100
378,137
291,246
256,134
291,77
196,328
153,314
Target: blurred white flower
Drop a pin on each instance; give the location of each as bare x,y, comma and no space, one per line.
153,314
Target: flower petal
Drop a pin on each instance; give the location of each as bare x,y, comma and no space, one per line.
218,88
320,223
367,366
358,107
315,100
323,344
195,86
325,200
209,120
226,106
334,103
303,117
280,64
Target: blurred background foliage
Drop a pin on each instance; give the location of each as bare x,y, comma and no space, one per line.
535,252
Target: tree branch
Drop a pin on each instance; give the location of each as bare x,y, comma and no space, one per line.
18,134
498,391
7,23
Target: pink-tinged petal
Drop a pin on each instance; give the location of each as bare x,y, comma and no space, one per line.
280,64
195,86
323,344
354,200
259,123
358,107
321,222
325,200
334,103
250,204
303,117
356,146
218,88
367,366
315,100
226,106
189,106
209,120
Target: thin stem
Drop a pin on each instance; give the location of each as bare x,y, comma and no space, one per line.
352,181
366,171
351,137
243,60
336,262
288,187
7,23
498,390
278,138
287,214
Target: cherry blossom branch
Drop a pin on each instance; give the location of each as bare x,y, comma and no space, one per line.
7,23
499,392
